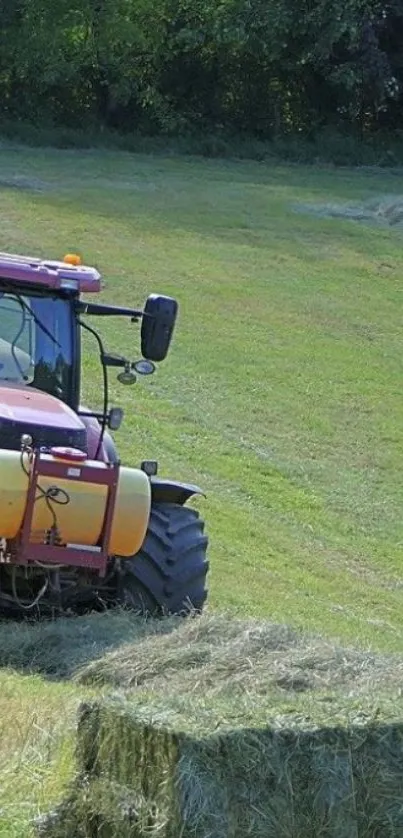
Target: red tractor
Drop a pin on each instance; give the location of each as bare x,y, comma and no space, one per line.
78,530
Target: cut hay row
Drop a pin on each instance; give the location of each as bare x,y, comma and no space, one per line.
218,654
385,211
226,729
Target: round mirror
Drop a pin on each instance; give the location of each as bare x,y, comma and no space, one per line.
144,367
127,377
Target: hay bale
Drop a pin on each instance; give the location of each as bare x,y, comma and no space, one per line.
224,728
99,809
144,772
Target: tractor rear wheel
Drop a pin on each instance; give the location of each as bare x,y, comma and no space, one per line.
168,574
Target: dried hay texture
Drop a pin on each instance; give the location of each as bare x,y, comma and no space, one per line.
219,656
386,211
57,649
142,778
238,729
27,184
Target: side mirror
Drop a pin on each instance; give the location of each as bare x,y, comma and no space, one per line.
157,326
115,418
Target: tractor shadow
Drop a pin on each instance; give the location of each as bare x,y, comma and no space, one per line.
58,649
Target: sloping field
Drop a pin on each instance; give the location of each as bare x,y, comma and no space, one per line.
282,398
282,392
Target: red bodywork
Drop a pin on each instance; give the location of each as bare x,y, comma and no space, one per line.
93,429
20,403
51,274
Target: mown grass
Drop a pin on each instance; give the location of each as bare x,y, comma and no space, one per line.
282,392
36,748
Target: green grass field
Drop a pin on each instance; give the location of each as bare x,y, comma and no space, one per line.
282,394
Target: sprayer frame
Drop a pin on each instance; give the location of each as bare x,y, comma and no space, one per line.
24,551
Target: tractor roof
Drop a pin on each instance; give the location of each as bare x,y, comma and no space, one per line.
50,274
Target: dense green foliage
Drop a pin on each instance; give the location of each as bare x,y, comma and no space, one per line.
263,68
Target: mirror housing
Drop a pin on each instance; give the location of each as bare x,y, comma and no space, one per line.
115,418
127,376
157,326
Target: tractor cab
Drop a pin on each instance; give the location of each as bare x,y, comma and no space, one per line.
78,529
41,319
39,335
31,355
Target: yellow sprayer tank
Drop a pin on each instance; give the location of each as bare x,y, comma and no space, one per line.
80,520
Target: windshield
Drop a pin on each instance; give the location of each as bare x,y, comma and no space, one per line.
41,357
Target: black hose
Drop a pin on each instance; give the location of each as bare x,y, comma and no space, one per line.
105,385
18,601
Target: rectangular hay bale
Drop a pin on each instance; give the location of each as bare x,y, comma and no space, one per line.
99,809
327,782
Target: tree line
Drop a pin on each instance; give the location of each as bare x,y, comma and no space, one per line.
259,68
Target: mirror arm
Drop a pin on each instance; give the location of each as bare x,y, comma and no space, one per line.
113,360
100,310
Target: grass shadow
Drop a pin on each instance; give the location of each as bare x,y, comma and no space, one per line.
57,649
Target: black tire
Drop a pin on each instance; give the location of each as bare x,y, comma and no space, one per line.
168,575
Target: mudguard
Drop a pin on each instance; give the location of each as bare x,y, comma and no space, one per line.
108,452
110,448
172,491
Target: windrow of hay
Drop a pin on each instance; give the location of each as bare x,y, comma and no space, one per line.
217,654
222,728
386,211
28,184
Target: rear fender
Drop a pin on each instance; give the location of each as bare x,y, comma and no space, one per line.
107,453
172,491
